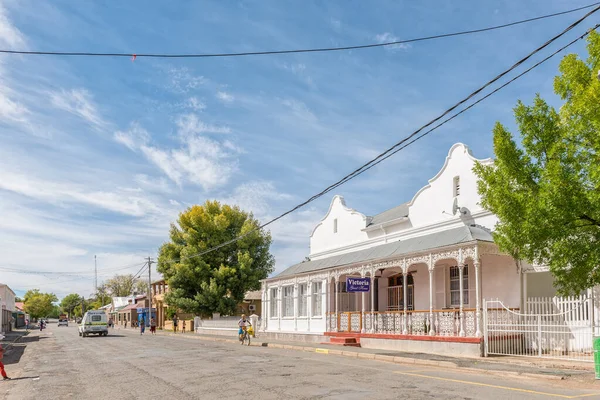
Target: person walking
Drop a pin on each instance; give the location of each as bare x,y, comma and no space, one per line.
175,323
2,370
142,326
26,324
153,326
183,326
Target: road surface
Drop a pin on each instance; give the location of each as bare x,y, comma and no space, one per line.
58,364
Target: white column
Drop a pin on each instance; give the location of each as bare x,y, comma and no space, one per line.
363,307
431,324
462,314
405,297
309,301
327,306
279,313
296,302
476,266
372,328
336,291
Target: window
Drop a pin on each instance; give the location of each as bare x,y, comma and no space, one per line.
456,186
96,318
335,225
302,300
288,301
273,302
317,299
455,286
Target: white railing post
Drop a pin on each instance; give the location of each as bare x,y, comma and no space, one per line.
372,303
477,302
405,297
431,327
485,329
539,318
461,299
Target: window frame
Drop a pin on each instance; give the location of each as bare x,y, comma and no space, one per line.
273,302
303,300
317,299
455,278
287,298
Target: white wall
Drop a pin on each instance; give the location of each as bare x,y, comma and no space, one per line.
540,284
427,205
8,298
350,224
500,280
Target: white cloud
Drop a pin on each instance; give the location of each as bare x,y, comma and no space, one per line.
78,102
134,137
225,97
189,124
388,37
10,36
182,80
300,109
335,23
121,202
199,160
195,104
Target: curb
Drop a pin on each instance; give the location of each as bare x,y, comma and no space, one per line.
381,358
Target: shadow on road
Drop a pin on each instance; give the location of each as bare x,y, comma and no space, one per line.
14,354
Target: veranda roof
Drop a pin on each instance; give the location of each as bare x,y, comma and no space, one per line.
463,234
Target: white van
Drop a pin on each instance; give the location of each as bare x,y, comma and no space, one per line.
93,322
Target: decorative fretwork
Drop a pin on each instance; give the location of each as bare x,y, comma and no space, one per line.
418,323
447,323
470,327
343,318
355,322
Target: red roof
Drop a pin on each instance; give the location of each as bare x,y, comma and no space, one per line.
20,306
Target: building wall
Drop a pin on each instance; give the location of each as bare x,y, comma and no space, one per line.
540,284
500,280
8,298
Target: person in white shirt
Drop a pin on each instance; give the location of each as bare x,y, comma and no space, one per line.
243,323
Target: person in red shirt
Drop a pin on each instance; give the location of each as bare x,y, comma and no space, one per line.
2,371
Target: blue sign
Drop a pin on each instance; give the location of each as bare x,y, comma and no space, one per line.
358,284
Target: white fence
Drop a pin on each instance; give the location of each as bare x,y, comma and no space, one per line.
557,327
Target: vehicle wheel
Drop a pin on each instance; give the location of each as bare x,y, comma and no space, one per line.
79,333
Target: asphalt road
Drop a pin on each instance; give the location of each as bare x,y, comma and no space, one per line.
58,364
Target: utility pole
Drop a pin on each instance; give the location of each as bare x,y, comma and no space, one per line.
149,291
95,277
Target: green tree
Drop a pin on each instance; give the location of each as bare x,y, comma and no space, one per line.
125,285
69,303
216,281
39,304
546,193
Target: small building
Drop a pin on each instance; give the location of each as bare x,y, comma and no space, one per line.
252,303
159,289
7,307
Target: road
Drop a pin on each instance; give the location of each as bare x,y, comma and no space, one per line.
58,364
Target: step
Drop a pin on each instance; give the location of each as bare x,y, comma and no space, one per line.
344,341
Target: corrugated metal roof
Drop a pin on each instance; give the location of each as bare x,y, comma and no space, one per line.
389,215
449,237
253,295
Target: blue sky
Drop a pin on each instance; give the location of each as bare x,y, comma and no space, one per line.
98,155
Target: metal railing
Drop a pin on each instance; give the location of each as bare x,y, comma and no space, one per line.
563,331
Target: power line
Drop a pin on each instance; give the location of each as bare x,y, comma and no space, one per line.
397,147
66,273
311,50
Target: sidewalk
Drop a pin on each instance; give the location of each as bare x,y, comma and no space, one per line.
511,366
12,337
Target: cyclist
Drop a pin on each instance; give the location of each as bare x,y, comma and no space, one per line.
243,324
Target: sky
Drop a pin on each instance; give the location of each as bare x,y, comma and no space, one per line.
99,155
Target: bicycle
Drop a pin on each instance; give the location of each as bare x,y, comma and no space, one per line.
245,336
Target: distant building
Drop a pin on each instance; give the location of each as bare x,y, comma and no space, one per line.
7,306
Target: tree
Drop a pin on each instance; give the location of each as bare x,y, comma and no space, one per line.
547,193
70,302
216,281
39,304
18,299
125,285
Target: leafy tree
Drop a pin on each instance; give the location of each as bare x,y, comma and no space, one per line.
55,312
70,302
38,304
546,193
125,285
18,299
216,281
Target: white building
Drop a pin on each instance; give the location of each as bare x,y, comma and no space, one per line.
429,262
7,307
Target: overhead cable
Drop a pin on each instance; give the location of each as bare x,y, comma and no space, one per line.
397,147
310,50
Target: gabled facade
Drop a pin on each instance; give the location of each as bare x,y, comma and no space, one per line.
429,263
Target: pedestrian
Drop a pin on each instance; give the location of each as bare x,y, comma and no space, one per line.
2,371
27,324
142,326
175,323
183,327
153,326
